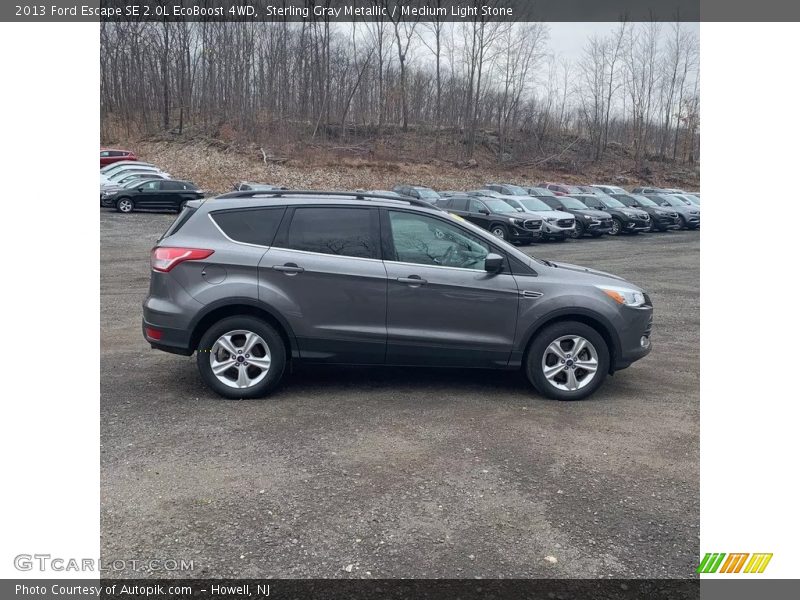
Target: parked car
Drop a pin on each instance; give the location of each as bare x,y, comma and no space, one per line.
609,189
109,156
494,215
692,197
161,194
123,178
661,219
557,225
646,190
332,278
108,169
623,219
587,220
560,189
687,198
420,192
688,213
243,186
111,170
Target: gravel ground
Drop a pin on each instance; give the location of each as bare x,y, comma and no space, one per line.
398,472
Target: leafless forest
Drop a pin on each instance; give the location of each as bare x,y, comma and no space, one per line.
488,89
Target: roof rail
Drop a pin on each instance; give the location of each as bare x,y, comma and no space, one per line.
355,195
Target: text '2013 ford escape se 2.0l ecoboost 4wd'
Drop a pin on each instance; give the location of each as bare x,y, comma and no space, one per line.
253,280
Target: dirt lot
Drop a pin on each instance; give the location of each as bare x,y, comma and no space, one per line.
404,473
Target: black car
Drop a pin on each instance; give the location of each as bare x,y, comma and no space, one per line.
623,219
587,220
417,191
494,215
155,194
661,219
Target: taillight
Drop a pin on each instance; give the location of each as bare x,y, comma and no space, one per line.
153,334
166,259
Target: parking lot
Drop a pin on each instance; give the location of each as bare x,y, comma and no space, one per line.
398,472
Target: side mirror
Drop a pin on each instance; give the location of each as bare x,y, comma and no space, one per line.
139,189
483,211
493,262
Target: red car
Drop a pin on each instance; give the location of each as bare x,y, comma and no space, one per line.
108,156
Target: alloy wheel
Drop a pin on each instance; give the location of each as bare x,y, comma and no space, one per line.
570,362
240,359
614,227
498,232
125,205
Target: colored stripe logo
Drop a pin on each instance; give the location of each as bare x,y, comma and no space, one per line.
719,562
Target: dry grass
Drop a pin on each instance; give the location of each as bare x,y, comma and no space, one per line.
216,165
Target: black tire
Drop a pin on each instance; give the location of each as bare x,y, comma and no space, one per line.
500,231
596,235
182,206
533,359
616,226
578,232
268,333
124,205
683,223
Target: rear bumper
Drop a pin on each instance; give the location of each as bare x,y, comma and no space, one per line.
174,341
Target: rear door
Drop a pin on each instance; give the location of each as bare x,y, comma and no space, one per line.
324,272
443,307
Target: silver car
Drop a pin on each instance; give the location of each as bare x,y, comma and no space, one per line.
251,281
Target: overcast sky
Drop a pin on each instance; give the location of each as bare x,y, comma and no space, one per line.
568,39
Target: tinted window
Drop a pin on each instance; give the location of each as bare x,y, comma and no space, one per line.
428,241
171,185
105,153
459,203
251,225
340,231
151,186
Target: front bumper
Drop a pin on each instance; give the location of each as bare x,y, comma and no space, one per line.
521,234
692,222
664,223
107,201
632,225
634,340
598,227
555,230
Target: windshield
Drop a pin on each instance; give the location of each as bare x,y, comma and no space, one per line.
498,206
533,204
515,190
610,202
672,200
570,202
644,200
427,194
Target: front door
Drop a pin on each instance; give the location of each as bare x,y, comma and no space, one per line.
443,307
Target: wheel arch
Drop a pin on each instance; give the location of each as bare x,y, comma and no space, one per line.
232,307
588,317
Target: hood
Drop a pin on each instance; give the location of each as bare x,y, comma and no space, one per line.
686,210
554,214
633,212
527,215
592,212
591,275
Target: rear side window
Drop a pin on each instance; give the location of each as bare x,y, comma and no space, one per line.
338,231
251,225
459,203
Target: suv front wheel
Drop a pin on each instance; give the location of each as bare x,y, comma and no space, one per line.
241,357
567,361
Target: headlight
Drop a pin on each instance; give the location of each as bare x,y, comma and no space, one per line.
646,217
622,295
515,221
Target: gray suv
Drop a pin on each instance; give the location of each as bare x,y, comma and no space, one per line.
252,280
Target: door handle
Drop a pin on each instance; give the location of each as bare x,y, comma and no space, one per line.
413,280
288,268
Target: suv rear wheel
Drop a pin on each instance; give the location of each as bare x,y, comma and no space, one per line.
567,361
241,357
